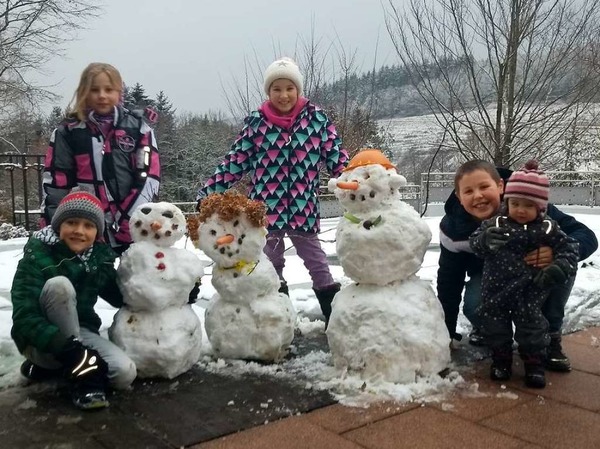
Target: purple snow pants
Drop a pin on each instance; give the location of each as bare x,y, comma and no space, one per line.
308,249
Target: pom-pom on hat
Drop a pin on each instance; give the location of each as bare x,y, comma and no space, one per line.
530,183
79,204
284,68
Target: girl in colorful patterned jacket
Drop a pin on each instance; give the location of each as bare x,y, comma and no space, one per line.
105,150
283,146
63,270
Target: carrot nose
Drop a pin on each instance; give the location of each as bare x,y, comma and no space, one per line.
349,185
155,226
224,240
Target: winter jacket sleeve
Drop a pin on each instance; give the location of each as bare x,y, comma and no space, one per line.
450,284
108,289
147,171
60,173
30,326
565,250
477,240
586,238
234,166
332,152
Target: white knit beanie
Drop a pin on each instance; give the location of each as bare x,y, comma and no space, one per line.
284,68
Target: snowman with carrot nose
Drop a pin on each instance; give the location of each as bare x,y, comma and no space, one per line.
388,324
248,318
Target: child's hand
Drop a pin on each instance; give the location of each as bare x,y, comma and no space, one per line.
495,238
81,361
193,296
550,276
540,258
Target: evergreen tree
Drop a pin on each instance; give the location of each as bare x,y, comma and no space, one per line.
135,97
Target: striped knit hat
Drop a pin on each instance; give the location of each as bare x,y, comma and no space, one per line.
79,204
529,183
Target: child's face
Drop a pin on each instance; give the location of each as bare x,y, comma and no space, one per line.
103,96
522,210
283,95
479,194
78,234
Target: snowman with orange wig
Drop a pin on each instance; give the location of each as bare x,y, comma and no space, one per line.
248,318
388,324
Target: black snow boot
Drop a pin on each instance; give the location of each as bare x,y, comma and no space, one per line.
501,368
87,374
534,370
556,360
476,338
325,297
283,288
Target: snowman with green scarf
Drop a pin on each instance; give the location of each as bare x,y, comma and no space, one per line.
388,324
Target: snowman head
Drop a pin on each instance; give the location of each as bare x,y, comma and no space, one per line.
159,223
369,182
232,228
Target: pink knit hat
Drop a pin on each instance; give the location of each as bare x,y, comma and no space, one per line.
529,183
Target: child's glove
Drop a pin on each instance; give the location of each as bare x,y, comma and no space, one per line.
550,276
194,292
82,362
494,238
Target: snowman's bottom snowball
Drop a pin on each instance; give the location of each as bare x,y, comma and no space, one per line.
262,329
394,333
162,344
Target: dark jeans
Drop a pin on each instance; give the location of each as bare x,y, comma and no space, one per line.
553,308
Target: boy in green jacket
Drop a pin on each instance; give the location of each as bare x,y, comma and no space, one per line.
64,269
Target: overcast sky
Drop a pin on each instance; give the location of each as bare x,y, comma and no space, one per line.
187,48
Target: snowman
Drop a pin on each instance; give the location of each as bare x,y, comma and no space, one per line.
247,318
157,327
388,325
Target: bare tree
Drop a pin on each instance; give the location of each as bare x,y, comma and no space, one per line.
31,33
505,78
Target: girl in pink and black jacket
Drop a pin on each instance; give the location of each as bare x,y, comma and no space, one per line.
103,149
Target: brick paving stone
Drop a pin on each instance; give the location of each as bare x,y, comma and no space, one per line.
338,418
291,433
429,428
550,424
589,336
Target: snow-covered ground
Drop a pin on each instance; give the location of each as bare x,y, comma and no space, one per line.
316,368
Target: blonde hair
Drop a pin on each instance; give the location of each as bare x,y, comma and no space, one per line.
77,107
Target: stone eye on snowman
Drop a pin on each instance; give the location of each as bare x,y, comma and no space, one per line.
387,325
247,318
157,327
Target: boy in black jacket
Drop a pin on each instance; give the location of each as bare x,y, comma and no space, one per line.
477,197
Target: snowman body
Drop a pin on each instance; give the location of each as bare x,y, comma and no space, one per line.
390,332
247,318
389,325
157,327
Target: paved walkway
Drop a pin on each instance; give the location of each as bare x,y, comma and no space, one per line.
566,414
197,408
